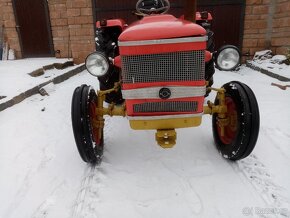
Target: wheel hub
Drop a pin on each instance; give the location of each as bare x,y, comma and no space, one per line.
227,128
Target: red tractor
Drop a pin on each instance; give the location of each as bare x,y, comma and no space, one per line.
157,72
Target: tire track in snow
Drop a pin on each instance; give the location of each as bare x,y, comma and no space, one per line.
87,198
284,139
43,209
192,197
81,201
272,194
27,182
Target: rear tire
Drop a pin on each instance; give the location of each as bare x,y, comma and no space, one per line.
89,141
241,134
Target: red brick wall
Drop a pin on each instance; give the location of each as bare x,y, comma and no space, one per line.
7,20
281,27
71,25
267,26
72,28
81,28
59,27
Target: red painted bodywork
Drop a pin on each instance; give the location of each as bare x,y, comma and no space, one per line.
161,48
130,105
132,86
161,27
117,61
157,84
158,27
113,23
208,56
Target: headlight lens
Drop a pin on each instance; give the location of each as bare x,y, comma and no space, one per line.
228,59
97,64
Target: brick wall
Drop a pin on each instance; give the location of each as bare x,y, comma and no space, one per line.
72,28
59,27
71,25
7,20
281,27
267,26
81,28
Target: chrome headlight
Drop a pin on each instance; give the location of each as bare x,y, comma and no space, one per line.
97,64
228,58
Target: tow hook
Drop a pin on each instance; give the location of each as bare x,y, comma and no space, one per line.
166,138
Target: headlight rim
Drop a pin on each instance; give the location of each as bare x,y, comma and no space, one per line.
102,54
221,50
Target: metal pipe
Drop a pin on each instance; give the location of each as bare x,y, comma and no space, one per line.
190,10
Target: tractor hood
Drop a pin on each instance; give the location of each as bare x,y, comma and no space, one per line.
161,27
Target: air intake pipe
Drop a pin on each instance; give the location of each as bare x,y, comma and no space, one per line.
190,10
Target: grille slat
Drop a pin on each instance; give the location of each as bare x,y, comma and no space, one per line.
175,66
169,106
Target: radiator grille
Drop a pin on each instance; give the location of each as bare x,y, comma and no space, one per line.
176,66
169,106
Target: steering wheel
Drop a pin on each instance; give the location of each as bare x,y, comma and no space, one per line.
147,7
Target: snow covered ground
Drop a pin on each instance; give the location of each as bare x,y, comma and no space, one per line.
265,60
14,78
42,175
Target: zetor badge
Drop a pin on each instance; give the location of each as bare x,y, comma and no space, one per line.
157,72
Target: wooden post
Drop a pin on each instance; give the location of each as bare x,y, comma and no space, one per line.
190,10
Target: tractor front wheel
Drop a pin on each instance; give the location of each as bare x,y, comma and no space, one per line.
239,137
88,131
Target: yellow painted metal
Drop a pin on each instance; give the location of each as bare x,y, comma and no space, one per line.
211,109
102,93
112,109
166,138
173,123
166,135
221,109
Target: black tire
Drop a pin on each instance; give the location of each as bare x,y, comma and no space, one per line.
90,149
241,135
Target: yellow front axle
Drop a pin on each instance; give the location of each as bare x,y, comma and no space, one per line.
166,134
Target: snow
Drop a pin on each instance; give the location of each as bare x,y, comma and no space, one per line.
14,78
265,60
262,54
42,174
278,58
